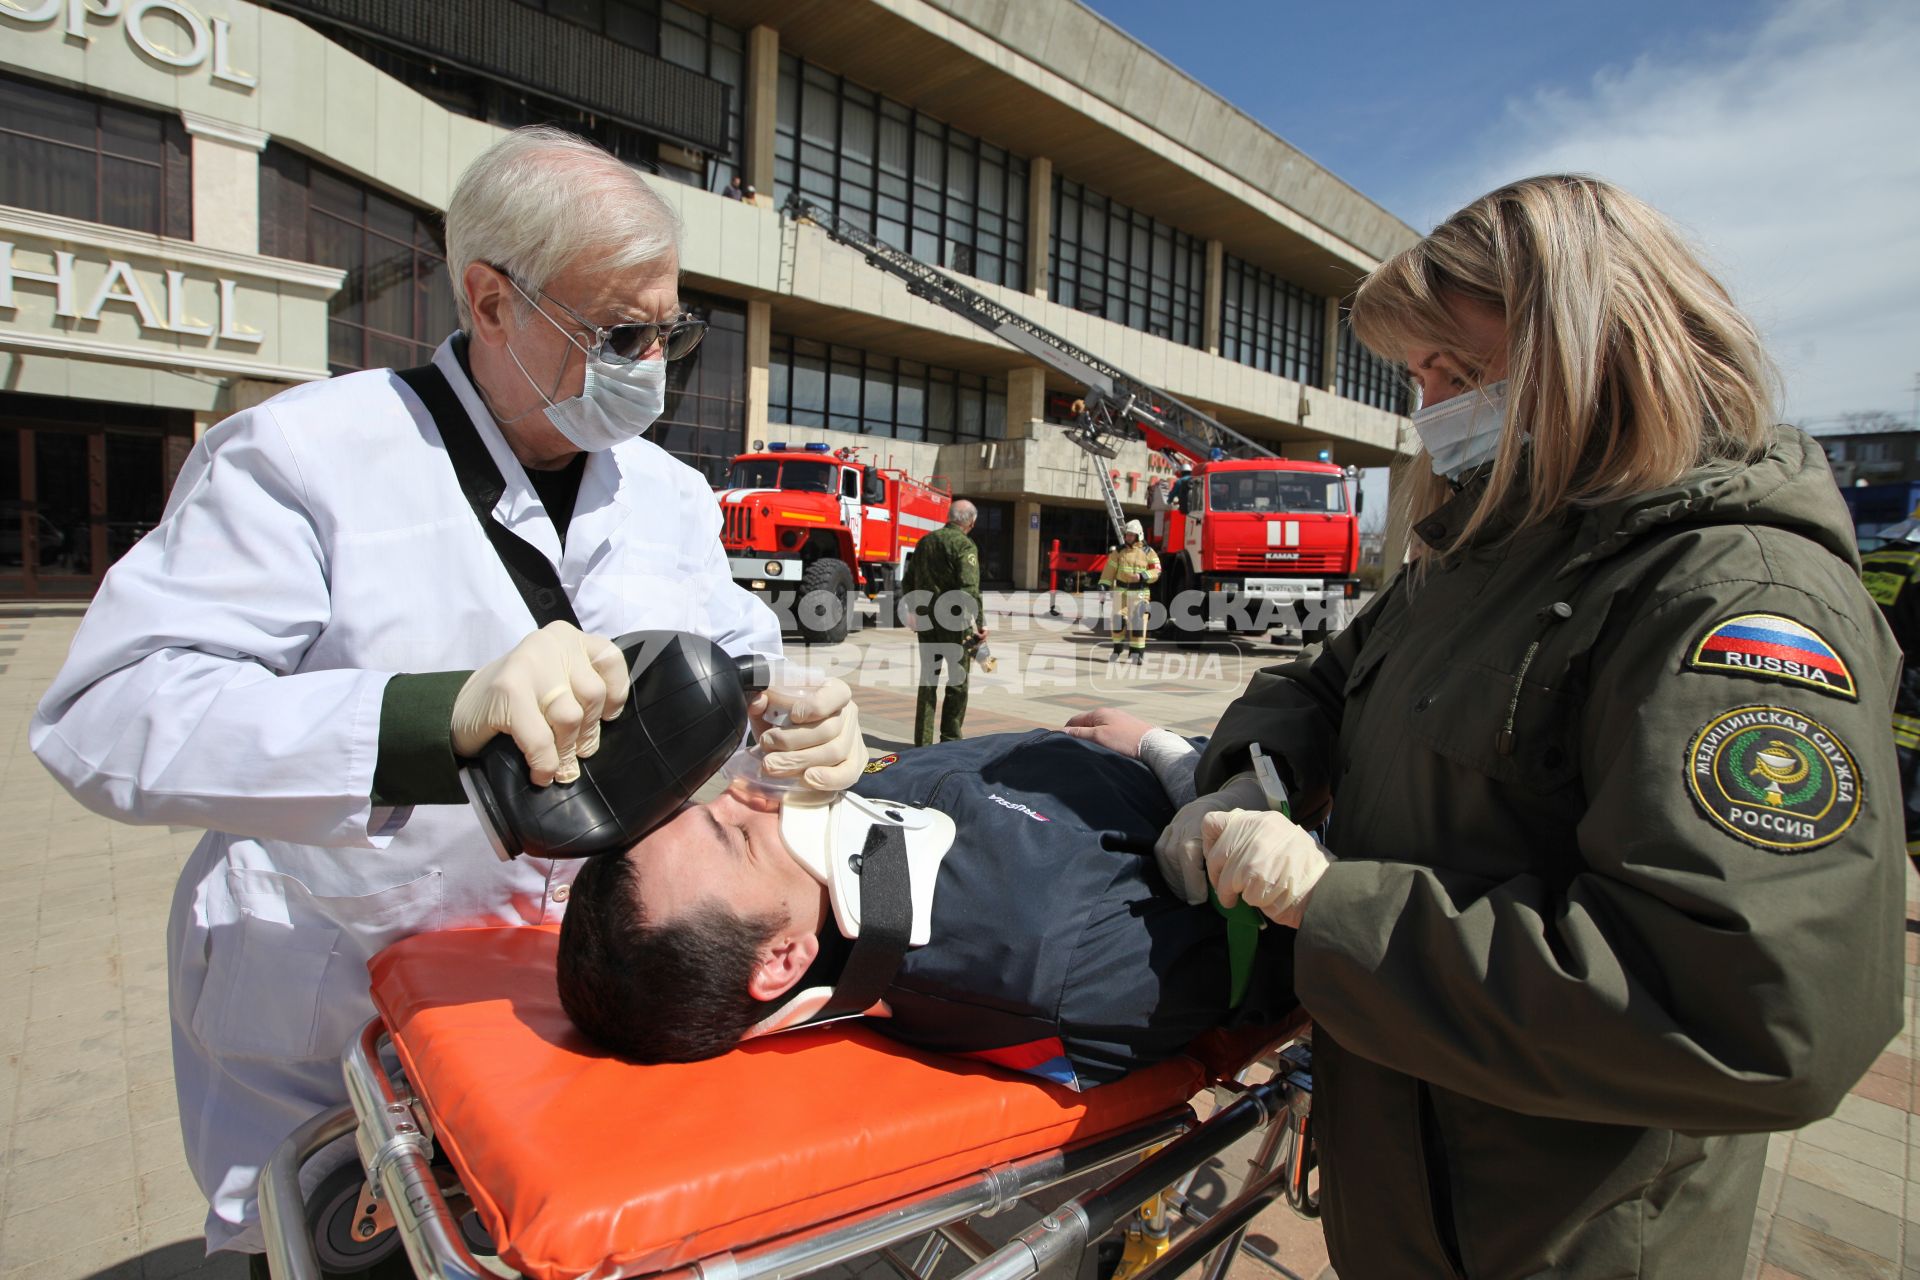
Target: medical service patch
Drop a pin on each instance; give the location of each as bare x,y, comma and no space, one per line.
1770,647
1774,778
878,763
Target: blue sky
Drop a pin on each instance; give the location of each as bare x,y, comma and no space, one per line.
1782,135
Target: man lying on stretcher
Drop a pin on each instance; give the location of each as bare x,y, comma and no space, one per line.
1035,931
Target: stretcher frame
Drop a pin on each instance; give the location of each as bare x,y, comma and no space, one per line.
393,1136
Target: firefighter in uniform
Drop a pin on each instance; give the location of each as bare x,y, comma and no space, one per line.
946,567
1616,886
1130,571
1889,572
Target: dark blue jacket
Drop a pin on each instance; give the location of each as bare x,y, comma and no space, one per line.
1056,949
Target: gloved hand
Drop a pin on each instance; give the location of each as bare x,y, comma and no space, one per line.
549,692
1261,857
821,740
1181,852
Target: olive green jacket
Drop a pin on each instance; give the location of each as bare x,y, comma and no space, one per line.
1618,889
945,561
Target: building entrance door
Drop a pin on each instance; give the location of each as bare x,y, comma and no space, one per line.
75,497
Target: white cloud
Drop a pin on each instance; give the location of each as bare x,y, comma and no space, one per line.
1791,155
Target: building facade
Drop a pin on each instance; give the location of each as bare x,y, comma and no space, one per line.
205,201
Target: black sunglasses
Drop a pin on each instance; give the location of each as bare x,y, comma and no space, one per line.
630,340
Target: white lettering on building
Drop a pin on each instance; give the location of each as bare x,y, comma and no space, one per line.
167,31
121,285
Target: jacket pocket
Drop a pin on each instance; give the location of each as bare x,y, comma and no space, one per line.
1517,731
288,979
1433,1157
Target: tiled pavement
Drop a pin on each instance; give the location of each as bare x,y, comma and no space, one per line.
94,1179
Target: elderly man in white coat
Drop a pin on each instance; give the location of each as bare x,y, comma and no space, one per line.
323,621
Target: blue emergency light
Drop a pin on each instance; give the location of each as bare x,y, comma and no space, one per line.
777,446
817,446
1326,455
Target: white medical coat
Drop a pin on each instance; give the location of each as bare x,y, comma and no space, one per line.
230,673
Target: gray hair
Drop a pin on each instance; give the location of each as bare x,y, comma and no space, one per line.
540,200
962,513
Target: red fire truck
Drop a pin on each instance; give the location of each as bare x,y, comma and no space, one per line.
1254,541
809,529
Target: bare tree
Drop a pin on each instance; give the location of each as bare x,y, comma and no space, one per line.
1863,422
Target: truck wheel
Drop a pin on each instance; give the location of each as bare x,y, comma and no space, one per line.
826,602
1174,627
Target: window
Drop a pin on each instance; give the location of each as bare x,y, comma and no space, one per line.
943,196
1271,324
1111,261
68,154
813,384
1275,491
705,421
713,49
635,23
396,304
1365,377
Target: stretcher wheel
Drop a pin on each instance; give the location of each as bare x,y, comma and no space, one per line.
333,1215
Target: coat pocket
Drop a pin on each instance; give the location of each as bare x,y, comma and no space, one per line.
1517,731
288,979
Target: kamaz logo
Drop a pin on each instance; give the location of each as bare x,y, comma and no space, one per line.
1283,555
1018,808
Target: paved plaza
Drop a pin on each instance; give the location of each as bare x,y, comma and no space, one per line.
95,1183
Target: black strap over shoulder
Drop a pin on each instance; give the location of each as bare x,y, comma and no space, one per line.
886,926
532,573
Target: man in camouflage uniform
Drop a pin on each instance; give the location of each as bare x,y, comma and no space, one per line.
1889,571
946,567
1130,571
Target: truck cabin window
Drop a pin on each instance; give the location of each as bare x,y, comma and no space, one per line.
1275,491
769,473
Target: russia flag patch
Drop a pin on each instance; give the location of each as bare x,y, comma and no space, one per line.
1770,647
1046,1059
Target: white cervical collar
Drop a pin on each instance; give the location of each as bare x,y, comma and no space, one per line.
827,838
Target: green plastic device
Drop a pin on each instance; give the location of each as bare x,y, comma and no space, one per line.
1244,922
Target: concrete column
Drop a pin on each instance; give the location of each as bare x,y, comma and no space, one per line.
1039,224
226,183
1026,402
1330,352
1028,560
759,350
761,108
1210,301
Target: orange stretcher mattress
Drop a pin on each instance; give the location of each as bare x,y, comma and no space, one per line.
575,1160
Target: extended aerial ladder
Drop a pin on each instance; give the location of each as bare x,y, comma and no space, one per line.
1113,404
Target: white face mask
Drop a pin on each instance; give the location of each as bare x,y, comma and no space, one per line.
618,401
1463,432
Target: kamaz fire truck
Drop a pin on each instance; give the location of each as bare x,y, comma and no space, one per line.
1254,541
812,529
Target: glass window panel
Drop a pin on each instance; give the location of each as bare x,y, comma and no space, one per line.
683,48
856,133
940,408
334,194
910,406
896,145
959,173
49,178
129,196
878,408
46,112
819,113
134,135
843,389
809,383
971,413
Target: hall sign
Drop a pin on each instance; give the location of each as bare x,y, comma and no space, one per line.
167,31
84,289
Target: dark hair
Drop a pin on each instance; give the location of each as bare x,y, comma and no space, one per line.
655,991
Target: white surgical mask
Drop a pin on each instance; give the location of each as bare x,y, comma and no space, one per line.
618,401
1463,432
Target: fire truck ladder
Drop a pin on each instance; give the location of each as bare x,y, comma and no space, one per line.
1115,403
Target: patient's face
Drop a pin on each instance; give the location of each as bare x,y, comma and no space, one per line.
728,851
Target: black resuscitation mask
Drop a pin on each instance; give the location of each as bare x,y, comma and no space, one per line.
686,713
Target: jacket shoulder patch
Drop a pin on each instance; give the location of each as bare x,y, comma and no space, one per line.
1768,646
1774,778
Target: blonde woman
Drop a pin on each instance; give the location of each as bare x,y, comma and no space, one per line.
1618,884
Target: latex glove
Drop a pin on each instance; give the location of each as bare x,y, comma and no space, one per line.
1262,858
549,692
821,738
1180,850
